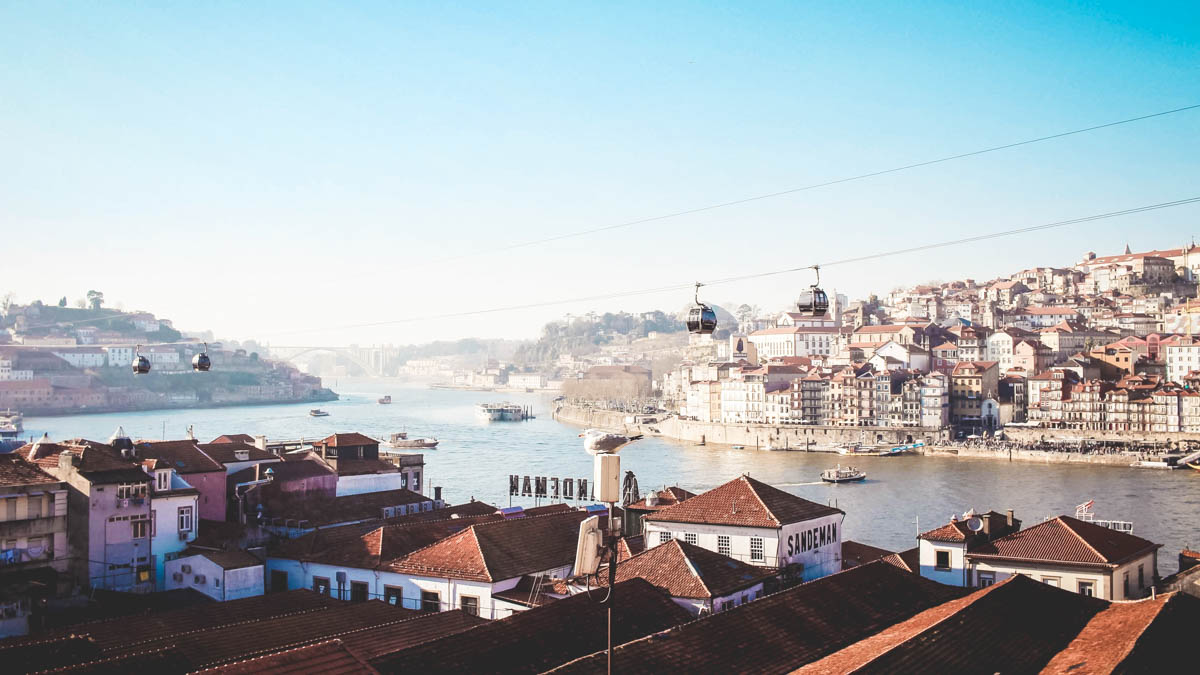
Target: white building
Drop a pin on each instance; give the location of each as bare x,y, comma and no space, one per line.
527,380
7,374
118,357
173,516
1181,360
221,575
794,340
755,523
82,357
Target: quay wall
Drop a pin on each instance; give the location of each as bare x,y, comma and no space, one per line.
1041,456
749,435
1036,434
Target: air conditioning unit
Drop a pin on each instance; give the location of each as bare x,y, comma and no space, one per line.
199,579
124,503
177,576
187,569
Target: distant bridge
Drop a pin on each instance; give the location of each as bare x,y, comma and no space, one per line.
370,359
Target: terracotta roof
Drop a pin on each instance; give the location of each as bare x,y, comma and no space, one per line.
344,509
785,630
627,547
185,456
98,462
338,440
286,471
891,328
955,531
1016,625
1067,540
368,546
854,554
667,497
499,550
969,367
226,452
378,641
1108,638
746,502
233,438
324,657
685,570
539,639
15,470
908,560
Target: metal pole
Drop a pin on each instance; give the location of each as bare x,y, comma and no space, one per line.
612,581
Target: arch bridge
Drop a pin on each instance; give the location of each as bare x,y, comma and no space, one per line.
368,358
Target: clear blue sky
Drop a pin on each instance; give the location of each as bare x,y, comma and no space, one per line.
259,168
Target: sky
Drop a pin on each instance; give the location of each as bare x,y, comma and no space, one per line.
285,171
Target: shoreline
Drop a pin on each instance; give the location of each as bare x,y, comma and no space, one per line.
752,437
192,406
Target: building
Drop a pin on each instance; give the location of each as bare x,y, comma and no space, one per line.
942,551
221,575
356,459
33,540
174,515
972,384
108,507
654,501
935,400
194,466
752,522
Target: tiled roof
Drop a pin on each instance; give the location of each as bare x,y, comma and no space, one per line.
854,553
970,367
745,502
666,497
185,456
339,440
15,470
908,560
369,546
226,452
98,462
331,657
953,531
344,509
542,638
627,547
233,438
685,570
286,471
1108,638
378,641
785,630
1067,540
499,550
1017,625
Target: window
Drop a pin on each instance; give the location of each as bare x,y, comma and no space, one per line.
986,579
321,585
185,519
942,560
1050,581
279,581
1125,585
1141,577
416,482
690,537
756,548
664,537
10,508
723,544
163,479
217,581
470,605
430,601
1087,588
358,591
393,595
35,506
141,528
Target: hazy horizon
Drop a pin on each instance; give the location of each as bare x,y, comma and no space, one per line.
275,172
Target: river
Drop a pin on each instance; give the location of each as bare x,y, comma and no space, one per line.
900,496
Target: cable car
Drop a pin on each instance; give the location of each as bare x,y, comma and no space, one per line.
701,319
201,362
813,301
141,364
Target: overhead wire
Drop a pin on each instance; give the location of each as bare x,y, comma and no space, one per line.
759,275
814,186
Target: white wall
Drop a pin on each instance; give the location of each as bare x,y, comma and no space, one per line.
165,513
371,482
244,582
795,543
217,584
1107,584
955,576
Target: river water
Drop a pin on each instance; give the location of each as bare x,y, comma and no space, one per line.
900,496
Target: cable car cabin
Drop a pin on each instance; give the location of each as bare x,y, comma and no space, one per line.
141,365
201,362
701,320
813,301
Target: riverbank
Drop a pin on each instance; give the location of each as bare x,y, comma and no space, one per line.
817,439
322,398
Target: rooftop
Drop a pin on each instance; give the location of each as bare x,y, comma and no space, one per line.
227,452
1066,540
185,456
745,502
342,440
16,471
667,497
685,570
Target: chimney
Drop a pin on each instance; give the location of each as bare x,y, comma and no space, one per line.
260,442
258,471
67,460
1009,514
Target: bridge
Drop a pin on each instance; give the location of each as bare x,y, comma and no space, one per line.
370,359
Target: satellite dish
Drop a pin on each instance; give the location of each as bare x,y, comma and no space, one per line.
974,524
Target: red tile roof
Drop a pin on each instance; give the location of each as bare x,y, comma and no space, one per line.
340,440
330,657
499,550
854,554
226,452
362,467
667,497
185,456
542,638
745,502
233,438
782,631
99,463
1108,638
15,471
1066,540
627,547
378,641
344,509
954,531
685,570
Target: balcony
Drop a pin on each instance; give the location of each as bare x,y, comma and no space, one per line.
32,527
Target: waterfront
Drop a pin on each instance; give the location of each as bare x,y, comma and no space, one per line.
475,459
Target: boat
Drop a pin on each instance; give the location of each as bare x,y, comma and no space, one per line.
14,418
501,412
739,447
855,449
843,475
9,432
385,400
901,449
400,439
317,412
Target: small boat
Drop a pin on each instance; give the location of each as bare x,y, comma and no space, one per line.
843,475
1195,465
501,412
385,400
739,447
855,449
400,439
317,412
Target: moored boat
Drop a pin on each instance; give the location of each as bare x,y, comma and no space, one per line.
501,412
839,474
384,400
317,412
400,439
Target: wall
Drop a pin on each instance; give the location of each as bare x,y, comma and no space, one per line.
955,576
211,485
725,602
166,541
371,482
816,544
244,582
1042,456
706,537
1035,434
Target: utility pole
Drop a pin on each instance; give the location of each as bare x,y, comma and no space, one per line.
613,534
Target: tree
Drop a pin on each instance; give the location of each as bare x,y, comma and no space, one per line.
95,299
63,301
8,301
